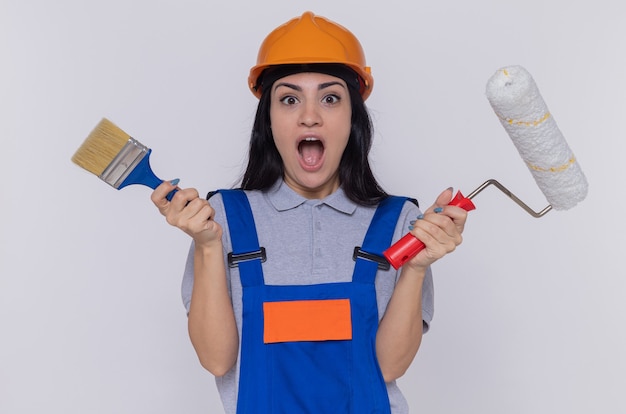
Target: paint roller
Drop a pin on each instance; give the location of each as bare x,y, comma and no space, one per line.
515,98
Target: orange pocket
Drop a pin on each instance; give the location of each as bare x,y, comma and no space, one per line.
307,320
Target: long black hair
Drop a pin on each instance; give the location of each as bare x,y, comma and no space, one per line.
265,166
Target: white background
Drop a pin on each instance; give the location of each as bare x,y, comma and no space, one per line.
529,312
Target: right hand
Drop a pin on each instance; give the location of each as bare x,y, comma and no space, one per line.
188,212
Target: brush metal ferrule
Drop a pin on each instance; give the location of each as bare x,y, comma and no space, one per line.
124,163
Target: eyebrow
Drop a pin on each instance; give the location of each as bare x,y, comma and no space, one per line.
299,89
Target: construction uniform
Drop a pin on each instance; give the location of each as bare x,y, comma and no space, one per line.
275,372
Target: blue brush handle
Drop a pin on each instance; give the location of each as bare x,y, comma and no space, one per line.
143,174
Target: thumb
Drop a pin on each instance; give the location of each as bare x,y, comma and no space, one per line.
443,199
160,193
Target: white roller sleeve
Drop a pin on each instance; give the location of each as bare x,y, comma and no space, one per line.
516,100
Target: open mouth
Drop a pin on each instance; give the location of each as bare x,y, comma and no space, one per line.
311,151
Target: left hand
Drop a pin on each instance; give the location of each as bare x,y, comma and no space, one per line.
440,230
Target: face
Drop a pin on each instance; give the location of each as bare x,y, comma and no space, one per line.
310,114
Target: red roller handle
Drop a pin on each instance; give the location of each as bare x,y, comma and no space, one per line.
408,246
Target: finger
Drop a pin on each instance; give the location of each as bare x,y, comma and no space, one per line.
183,197
200,226
439,227
160,193
436,243
184,208
441,242
458,216
199,210
431,226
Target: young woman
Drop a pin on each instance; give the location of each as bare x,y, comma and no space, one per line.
291,304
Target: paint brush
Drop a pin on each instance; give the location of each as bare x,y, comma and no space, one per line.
116,158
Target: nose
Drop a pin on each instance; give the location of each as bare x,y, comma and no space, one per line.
310,114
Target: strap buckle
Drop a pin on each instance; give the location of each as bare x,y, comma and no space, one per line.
383,264
235,259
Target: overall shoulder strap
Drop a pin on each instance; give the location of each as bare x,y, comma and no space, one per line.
246,254
369,257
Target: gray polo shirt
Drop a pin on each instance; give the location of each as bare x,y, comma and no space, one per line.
307,242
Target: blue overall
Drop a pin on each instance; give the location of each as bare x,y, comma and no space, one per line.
319,376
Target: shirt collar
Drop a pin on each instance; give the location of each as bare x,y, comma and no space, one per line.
284,198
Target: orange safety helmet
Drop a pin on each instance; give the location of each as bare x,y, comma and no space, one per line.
311,39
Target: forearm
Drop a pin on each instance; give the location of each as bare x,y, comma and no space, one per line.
400,330
212,326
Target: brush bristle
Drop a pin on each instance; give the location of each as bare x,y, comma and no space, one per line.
100,147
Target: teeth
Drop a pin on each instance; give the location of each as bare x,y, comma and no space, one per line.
309,139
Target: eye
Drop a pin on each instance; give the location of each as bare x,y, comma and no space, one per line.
289,100
331,99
